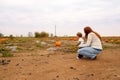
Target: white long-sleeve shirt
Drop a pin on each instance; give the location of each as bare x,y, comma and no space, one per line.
81,40
92,41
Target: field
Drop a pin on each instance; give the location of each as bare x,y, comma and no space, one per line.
41,59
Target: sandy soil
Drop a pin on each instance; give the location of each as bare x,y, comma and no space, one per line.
61,66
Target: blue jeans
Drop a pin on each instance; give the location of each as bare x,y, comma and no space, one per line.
89,52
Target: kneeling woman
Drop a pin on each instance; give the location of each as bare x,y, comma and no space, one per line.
93,45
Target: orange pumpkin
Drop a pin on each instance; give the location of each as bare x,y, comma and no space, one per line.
3,39
118,40
58,43
111,41
106,40
75,39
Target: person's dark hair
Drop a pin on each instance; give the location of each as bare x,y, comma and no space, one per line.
79,34
87,30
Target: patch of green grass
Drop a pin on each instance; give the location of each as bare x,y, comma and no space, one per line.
110,47
39,45
6,53
71,48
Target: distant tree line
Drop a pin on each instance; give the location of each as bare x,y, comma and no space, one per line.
41,34
1,35
36,35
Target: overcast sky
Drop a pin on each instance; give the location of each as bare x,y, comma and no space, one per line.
18,17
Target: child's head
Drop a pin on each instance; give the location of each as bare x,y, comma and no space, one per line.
79,34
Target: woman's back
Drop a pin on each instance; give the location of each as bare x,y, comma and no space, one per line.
95,41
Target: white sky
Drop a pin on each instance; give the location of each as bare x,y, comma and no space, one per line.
18,17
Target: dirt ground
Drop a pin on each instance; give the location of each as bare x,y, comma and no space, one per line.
61,66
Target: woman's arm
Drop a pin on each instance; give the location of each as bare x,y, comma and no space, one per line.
89,40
